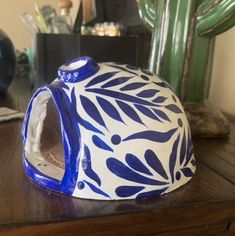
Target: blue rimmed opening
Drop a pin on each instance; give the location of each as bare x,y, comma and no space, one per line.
41,162
77,70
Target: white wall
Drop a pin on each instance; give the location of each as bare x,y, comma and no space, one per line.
10,18
222,92
10,22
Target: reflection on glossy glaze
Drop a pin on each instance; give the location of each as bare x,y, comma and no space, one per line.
124,133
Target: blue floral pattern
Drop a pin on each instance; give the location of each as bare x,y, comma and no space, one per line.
100,114
134,169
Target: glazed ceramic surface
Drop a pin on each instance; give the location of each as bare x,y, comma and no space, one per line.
122,133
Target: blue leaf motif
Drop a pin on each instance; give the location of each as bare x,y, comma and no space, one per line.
164,85
101,78
148,93
187,172
144,77
132,86
129,111
189,152
121,96
96,190
147,72
92,110
193,162
189,156
87,168
155,163
101,144
121,170
160,99
136,164
161,114
178,175
161,84
109,109
173,157
87,125
123,69
79,119
152,193
173,108
127,191
183,150
155,136
115,82
73,99
147,112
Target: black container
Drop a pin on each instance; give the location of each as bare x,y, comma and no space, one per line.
53,50
7,62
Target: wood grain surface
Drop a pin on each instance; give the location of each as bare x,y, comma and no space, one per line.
204,206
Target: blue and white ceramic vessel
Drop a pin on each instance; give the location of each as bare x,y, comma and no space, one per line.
123,133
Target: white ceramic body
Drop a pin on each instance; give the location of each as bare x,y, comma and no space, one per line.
124,131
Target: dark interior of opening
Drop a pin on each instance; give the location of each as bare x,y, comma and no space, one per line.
51,140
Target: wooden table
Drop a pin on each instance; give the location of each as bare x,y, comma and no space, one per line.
205,206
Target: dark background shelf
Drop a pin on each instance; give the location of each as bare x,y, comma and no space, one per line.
53,50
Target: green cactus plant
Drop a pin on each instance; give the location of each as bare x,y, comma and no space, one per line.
183,36
183,40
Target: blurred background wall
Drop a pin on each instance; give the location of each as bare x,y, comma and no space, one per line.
222,92
10,22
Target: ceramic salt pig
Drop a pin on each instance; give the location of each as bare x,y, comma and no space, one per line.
107,131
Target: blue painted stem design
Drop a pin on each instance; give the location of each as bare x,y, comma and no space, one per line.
123,171
155,136
87,168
